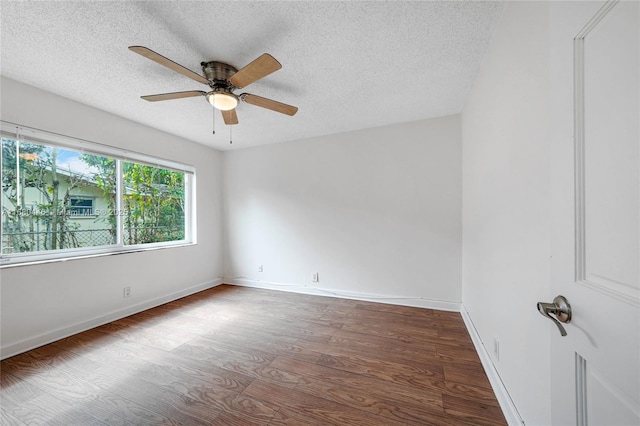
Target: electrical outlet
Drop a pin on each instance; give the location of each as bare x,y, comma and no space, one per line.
260,268
496,349
126,292
314,277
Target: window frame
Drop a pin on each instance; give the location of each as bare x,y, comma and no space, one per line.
28,134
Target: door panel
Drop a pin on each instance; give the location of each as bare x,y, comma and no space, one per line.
596,205
608,209
614,407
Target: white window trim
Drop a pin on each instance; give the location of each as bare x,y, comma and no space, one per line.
11,130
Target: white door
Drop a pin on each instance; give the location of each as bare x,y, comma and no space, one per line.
595,132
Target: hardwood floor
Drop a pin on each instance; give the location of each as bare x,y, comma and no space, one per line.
242,356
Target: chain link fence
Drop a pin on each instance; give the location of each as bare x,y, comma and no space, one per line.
19,242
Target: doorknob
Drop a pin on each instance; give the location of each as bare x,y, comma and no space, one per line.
560,308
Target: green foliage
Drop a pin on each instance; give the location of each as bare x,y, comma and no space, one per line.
105,178
154,201
31,156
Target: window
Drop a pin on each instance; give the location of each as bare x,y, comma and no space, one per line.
154,201
62,197
81,206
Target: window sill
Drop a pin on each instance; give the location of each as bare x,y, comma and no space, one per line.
7,263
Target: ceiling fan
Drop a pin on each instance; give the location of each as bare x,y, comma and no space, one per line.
223,79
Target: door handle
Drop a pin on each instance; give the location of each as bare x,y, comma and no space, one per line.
560,308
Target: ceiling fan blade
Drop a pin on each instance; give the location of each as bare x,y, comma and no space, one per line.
230,117
174,95
269,104
259,68
156,57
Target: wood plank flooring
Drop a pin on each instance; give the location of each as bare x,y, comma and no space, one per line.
241,356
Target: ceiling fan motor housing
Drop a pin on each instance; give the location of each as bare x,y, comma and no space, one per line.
218,73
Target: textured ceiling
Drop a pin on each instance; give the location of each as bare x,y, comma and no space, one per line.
346,65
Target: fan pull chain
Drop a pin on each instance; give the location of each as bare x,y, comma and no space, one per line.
230,135
214,120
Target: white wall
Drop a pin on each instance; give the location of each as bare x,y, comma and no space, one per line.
376,212
506,202
45,302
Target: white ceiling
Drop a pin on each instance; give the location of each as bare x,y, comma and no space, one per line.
346,65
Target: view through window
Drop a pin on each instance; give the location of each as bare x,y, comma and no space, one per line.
56,199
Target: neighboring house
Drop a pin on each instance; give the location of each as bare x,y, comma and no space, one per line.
87,203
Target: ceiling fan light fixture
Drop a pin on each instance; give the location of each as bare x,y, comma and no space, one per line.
222,99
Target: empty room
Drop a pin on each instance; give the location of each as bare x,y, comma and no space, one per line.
320,213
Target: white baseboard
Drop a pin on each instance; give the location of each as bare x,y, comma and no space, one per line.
61,333
416,302
502,395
